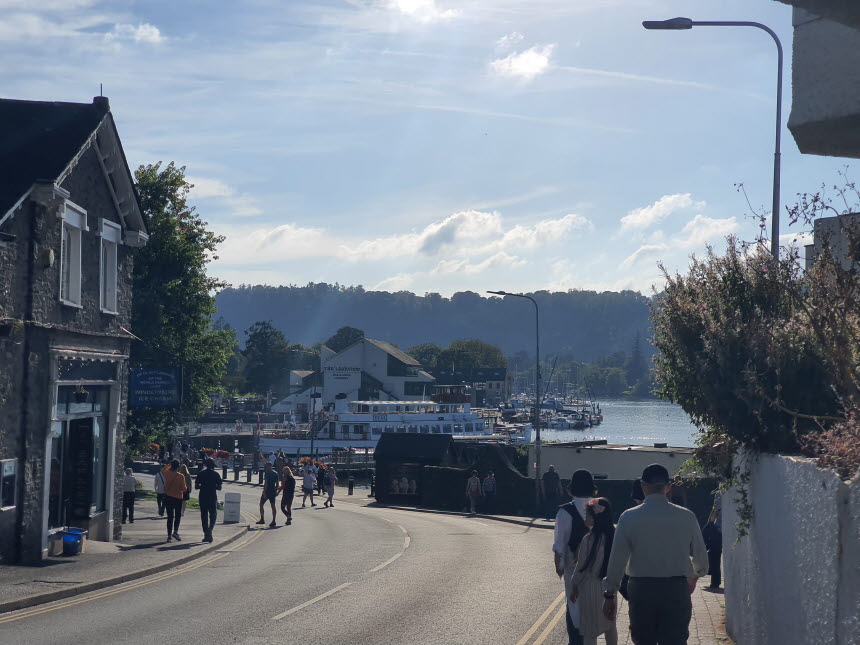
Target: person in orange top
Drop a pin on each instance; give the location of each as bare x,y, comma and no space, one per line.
174,491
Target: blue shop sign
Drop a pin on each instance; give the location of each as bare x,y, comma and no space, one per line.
155,387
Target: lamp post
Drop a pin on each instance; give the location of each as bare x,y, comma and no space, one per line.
314,398
675,24
537,390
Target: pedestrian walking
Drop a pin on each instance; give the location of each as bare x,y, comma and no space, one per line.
551,489
322,482
712,534
592,559
174,491
331,482
660,546
309,480
570,528
271,487
474,493
288,488
183,468
208,482
129,484
488,486
159,493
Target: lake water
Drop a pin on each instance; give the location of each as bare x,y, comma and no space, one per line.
640,423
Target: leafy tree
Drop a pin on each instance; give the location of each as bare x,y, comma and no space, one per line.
637,369
470,354
267,354
426,353
343,338
173,304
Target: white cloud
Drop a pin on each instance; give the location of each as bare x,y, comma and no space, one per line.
422,10
700,230
798,239
525,65
397,282
642,218
644,252
499,260
142,33
258,246
205,187
508,42
543,233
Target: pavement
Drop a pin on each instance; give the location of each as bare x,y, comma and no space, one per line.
142,551
360,573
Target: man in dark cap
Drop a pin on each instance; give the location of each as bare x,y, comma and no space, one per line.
570,528
660,547
208,482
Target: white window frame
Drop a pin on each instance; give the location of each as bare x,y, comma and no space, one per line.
111,238
75,221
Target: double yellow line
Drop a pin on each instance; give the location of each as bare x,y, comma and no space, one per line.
133,585
550,626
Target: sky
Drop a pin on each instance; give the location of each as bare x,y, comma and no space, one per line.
436,145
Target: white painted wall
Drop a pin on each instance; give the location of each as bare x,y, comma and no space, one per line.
783,580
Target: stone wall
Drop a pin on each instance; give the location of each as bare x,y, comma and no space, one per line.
794,578
25,410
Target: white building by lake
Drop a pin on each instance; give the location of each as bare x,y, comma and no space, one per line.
369,370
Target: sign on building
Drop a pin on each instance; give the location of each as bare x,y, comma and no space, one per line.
155,387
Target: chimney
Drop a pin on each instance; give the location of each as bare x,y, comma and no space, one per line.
102,104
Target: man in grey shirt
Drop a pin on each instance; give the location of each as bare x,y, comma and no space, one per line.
660,547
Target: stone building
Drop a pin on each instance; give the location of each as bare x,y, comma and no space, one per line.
69,222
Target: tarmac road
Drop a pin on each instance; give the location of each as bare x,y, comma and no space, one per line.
353,574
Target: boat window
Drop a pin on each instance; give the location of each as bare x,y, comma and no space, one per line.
425,429
458,428
448,428
376,430
469,427
389,428
437,430
401,428
413,428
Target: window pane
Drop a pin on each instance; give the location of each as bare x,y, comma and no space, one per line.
99,463
65,271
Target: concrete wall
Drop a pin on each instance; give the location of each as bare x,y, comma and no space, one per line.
613,460
793,579
825,89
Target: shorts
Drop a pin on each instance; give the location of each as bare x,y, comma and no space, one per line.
307,490
267,496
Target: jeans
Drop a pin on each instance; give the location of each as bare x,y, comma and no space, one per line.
128,506
208,516
573,635
173,505
714,555
287,506
660,611
159,499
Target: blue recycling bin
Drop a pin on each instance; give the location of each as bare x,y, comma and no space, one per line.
73,540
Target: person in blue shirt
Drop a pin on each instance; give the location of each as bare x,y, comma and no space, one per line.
271,487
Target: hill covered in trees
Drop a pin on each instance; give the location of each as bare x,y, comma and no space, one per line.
584,325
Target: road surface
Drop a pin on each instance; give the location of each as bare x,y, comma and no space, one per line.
353,574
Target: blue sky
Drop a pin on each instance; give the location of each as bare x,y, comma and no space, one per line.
435,145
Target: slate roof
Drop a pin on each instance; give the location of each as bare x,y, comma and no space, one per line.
38,139
403,357
396,446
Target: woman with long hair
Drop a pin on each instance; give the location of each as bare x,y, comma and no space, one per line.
591,561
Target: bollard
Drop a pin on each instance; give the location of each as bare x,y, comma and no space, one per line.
351,484
235,474
248,475
372,485
224,472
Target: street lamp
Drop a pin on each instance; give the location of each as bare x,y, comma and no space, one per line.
537,390
674,24
314,398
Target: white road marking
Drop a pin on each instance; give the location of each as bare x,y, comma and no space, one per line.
311,601
386,563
